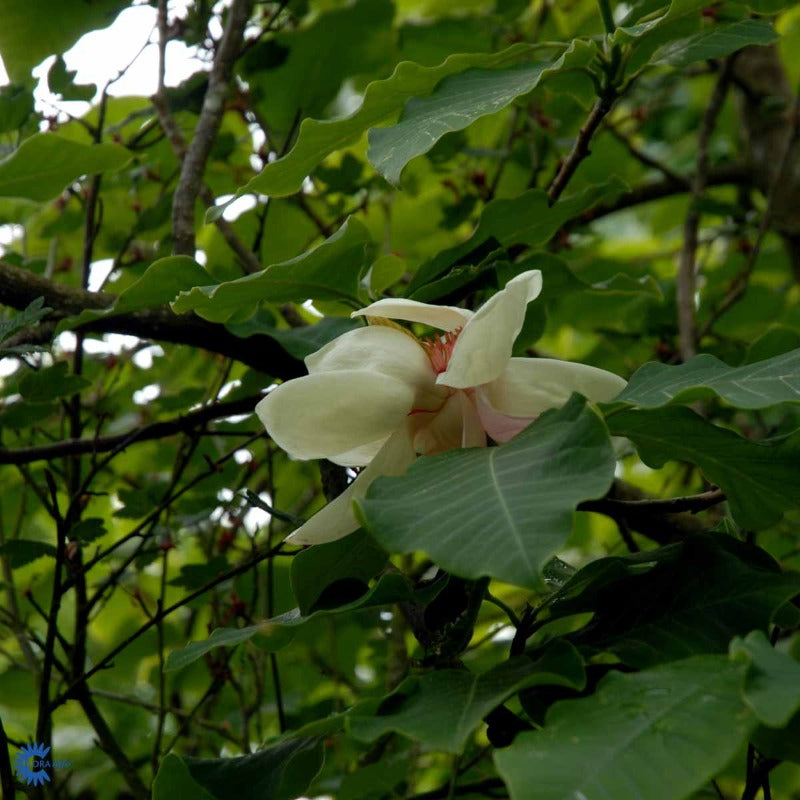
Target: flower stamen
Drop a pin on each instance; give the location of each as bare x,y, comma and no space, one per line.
439,349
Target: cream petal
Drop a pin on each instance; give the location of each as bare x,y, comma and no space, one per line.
384,351
337,520
445,318
359,456
529,386
330,413
455,425
483,348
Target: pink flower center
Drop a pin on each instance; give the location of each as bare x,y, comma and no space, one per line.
439,349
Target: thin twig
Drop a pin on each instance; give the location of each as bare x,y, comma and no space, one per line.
104,662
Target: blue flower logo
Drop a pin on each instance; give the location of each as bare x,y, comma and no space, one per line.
22,764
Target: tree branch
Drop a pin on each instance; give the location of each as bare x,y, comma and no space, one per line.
18,287
581,147
662,520
205,132
685,286
248,259
105,444
723,175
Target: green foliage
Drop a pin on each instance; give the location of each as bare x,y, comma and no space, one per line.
755,385
621,741
45,163
442,708
502,512
457,102
607,605
757,477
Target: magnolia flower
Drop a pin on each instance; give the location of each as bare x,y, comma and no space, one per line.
378,396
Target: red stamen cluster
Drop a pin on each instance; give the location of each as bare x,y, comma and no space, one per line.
439,349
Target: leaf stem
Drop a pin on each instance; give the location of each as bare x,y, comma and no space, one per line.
607,15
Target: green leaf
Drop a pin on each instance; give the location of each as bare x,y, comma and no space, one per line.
301,342
60,81
757,385
375,780
33,30
716,42
442,708
760,479
331,271
87,530
313,61
772,683
498,511
20,552
33,313
390,588
16,105
175,780
50,383
44,164
280,772
161,283
382,101
675,602
457,102
277,632
336,570
273,638
527,218
625,740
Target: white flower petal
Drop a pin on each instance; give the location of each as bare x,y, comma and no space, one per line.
330,413
445,318
484,346
383,351
455,425
337,520
529,386
359,456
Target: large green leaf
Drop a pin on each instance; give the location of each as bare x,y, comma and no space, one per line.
527,219
382,101
331,271
35,29
442,708
313,61
717,42
760,479
499,511
280,772
694,598
757,385
161,283
323,575
175,780
457,102
655,735
772,684
44,164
